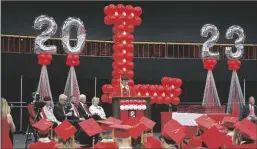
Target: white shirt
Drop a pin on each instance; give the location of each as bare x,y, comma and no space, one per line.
44,140
97,110
48,111
251,107
126,87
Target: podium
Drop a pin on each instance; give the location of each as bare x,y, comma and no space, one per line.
116,112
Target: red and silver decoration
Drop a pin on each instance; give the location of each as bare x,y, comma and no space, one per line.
133,105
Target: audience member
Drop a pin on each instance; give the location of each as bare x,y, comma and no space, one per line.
95,109
7,124
47,112
82,107
59,109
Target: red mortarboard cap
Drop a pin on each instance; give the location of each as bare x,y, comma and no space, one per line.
105,124
43,126
247,146
152,143
194,142
205,121
230,119
103,145
114,120
247,127
209,135
90,127
132,121
65,130
174,131
147,122
121,131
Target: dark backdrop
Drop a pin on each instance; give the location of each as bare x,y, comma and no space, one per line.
147,71
162,21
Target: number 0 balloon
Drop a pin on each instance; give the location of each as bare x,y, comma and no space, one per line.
51,29
81,35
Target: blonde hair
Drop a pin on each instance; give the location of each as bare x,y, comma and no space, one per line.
95,99
237,137
65,144
4,108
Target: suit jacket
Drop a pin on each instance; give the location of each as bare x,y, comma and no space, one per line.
125,93
32,113
59,113
82,111
246,110
67,110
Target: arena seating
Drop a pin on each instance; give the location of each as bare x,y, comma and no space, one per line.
24,44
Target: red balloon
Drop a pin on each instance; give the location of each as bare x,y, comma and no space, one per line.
117,73
109,10
110,99
121,8
137,21
40,62
130,73
68,63
115,82
164,81
131,82
109,88
143,89
137,88
107,20
178,82
238,62
168,90
104,98
130,65
129,9
118,28
160,89
69,57
49,57
153,99
114,65
118,47
129,38
177,92
130,20
46,62
130,28
120,19
118,38
77,63
117,56
42,56
75,57
152,89
129,56
129,48
105,88
118,64
171,81
159,100
175,101
137,11
167,100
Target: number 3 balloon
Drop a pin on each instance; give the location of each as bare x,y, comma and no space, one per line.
238,43
81,35
51,29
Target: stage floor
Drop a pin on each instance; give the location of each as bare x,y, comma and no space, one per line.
19,140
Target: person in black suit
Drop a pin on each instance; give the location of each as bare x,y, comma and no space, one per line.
250,109
71,107
82,107
60,109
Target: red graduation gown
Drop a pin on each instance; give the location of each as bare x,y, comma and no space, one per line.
46,145
104,145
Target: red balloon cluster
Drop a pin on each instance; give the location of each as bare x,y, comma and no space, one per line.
72,60
167,93
44,59
209,63
124,19
107,88
106,98
234,65
132,102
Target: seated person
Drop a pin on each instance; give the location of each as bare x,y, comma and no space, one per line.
82,107
60,109
43,129
97,110
47,112
71,107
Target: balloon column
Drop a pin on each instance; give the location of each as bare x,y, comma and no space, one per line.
124,19
211,97
235,99
44,52
71,87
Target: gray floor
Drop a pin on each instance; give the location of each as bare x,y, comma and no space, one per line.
19,140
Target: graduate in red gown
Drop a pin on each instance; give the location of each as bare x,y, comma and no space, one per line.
124,90
43,129
7,125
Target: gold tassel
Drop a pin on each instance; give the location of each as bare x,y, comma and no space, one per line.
130,142
142,139
121,91
73,141
51,133
113,134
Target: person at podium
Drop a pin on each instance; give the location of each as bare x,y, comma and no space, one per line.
124,90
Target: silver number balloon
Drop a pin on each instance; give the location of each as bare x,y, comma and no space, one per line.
206,29
81,35
39,45
238,43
